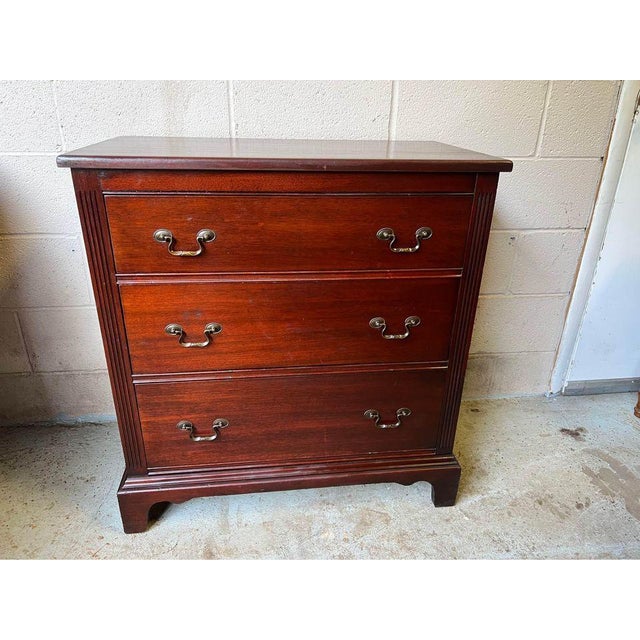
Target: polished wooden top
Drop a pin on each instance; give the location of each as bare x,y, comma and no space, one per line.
238,154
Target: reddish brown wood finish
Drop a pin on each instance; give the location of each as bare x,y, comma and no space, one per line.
287,233
254,182
287,323
138,494
307,417
101,266
467,302
279,155
291,368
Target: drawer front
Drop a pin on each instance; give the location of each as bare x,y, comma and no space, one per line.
289,417
287,233
287,323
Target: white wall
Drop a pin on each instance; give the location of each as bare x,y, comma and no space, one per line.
608,346
51,358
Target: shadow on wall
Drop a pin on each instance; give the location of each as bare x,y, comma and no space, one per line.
23,396
51,359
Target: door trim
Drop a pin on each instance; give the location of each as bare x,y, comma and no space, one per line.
614,160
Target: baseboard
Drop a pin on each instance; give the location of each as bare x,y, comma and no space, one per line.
590,387
64,420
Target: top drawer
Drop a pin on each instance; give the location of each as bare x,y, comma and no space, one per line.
265,233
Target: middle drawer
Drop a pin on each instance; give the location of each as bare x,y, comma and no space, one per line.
206,326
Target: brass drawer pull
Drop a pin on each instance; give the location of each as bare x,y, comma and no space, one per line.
387,235
218,423
379,323
374,414
212,329
204,235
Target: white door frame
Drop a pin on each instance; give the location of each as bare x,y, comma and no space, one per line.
614,160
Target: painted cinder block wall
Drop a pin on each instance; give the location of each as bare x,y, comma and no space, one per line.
51,358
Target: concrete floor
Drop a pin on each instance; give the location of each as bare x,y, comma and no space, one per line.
542,478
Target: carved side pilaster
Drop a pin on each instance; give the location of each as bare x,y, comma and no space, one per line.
95,228
482,212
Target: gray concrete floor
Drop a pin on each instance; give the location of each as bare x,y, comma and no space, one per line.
542,478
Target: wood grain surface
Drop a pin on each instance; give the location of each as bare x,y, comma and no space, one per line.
287,233
287,182
294,277
286,323
263,154
312,416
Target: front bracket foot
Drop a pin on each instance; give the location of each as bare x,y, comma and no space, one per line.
445,489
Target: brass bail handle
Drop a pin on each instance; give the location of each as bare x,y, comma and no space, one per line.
380,323
387,234
211,329
374,414
165,236
218,423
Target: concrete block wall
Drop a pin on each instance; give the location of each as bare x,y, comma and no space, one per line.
51,359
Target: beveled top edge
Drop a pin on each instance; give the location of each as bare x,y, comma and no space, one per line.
264,154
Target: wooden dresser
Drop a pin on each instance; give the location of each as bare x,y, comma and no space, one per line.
283,314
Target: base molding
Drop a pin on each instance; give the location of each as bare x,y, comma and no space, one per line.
137,494
592,387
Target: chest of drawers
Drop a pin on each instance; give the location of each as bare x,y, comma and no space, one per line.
283,314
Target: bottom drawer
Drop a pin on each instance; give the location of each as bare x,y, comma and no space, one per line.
289,417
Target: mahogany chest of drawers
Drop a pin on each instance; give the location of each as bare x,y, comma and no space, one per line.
282,314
